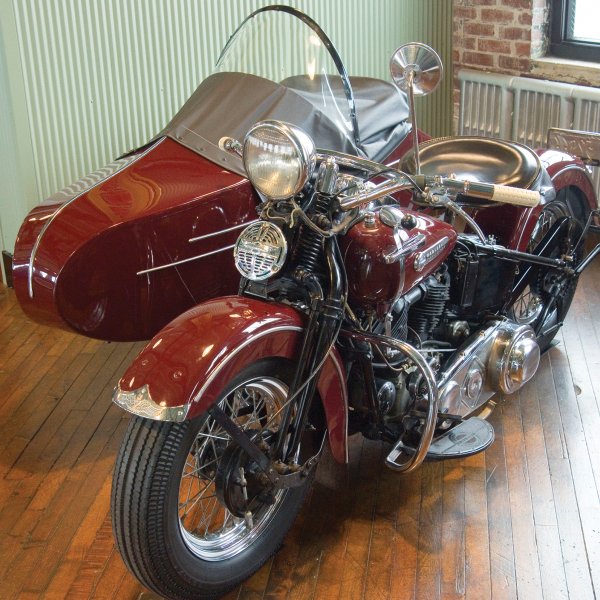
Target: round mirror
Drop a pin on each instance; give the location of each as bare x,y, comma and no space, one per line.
416,65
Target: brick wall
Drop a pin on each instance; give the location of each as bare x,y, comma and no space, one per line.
498,35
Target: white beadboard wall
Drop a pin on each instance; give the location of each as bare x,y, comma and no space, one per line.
102,76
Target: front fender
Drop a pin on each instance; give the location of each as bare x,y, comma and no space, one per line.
185,367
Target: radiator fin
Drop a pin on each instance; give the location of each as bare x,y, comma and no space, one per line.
487,113
523,109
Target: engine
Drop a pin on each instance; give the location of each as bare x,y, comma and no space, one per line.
503,356
409,282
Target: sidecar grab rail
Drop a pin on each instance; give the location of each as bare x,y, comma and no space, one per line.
584,144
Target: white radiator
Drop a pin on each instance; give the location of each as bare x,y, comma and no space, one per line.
523,109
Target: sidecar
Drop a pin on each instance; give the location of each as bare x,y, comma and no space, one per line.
123,251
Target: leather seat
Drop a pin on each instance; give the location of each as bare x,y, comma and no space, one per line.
479,159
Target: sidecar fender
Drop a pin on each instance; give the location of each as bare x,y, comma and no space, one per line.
566,173
185,367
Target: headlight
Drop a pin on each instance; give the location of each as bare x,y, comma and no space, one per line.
279,159
260,251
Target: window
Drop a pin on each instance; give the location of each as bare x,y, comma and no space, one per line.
575,31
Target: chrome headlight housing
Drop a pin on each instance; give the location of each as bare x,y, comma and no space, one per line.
279,159
260,251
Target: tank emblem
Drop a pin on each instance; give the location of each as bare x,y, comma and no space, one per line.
426,256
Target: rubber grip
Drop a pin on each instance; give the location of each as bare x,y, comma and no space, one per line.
512,195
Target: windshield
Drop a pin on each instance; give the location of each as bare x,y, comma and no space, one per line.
278,65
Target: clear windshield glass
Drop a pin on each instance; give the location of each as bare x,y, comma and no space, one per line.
277,65
283,48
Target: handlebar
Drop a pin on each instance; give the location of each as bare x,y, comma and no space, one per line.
396,181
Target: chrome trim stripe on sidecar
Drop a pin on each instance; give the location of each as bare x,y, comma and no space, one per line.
221,231
126,162
185,260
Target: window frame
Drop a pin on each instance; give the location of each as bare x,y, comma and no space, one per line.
560,44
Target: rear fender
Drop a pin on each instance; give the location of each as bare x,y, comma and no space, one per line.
514,225
571,181
185,367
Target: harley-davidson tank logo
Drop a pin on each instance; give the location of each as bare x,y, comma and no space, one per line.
426,256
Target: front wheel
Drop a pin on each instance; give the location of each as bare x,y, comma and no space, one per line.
180,515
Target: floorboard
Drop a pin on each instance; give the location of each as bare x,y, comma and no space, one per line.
521,520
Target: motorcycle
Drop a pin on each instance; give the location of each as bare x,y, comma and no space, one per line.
385,291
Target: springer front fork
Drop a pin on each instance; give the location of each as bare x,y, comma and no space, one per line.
324,320
279,464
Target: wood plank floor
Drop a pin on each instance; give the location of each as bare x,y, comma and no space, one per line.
520,521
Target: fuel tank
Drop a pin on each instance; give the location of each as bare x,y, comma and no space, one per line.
390,252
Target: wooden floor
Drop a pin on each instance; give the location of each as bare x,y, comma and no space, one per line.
520,521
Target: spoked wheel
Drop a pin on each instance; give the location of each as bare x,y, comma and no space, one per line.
192,514
544,303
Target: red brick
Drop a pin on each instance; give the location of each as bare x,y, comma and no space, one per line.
512,63
515,33
478,58
525,18
497,15
485,29
522,49
463,12
464,41
496,46
518,3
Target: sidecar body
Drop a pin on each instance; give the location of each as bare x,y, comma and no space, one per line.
123,251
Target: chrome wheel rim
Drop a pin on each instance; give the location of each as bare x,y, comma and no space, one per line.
209,530
527,307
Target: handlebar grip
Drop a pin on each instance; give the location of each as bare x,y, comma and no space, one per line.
497,193
518,196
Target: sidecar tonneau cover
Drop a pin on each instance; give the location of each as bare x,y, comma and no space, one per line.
228,104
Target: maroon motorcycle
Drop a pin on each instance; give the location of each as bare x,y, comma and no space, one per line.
382,292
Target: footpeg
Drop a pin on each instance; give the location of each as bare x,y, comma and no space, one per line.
470,437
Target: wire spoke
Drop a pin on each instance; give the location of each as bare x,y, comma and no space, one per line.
209,528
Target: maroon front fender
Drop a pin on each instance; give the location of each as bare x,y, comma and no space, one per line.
190,361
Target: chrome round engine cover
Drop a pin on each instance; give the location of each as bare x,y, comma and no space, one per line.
260,251
514,357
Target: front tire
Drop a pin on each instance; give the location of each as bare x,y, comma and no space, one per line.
173,528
